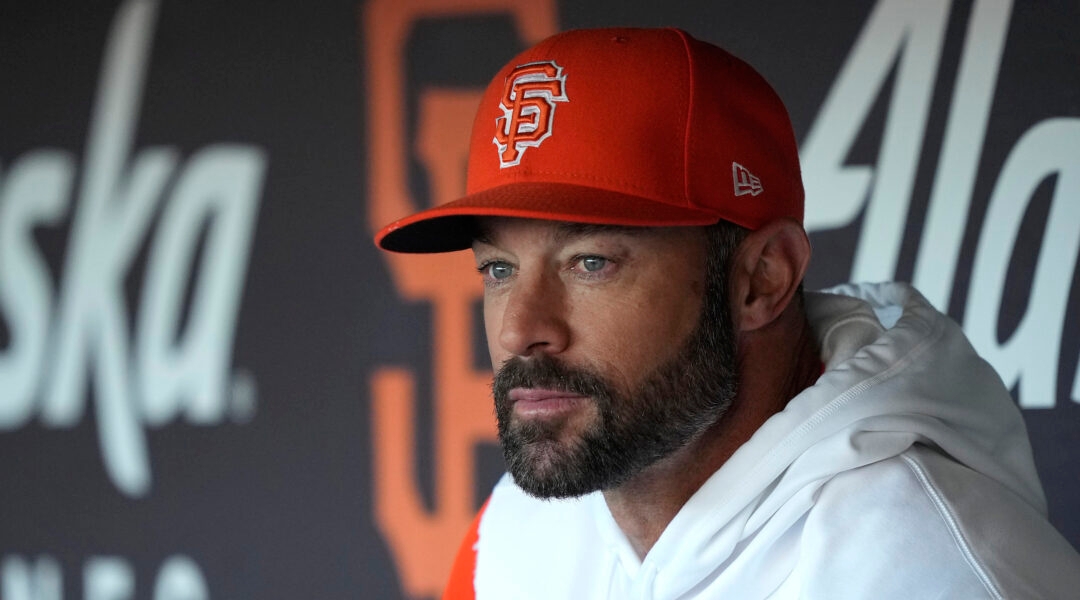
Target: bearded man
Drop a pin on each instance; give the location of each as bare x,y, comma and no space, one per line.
678,418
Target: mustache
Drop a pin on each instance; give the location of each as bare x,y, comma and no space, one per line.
550,373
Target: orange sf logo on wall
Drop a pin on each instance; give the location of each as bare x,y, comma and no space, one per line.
528,106
423,540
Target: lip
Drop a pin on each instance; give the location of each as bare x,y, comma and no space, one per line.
543,403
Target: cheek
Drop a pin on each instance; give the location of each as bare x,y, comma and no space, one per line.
493,313
636,332
668,309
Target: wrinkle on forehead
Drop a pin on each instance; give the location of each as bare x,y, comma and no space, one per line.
564,231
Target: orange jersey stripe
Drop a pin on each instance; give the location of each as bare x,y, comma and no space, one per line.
460,586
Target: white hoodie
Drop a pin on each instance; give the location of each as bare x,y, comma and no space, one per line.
905,472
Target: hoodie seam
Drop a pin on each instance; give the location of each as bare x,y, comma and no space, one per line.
953,527
860,388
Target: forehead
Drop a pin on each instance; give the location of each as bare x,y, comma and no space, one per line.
508,230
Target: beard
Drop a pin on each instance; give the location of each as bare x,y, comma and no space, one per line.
671,407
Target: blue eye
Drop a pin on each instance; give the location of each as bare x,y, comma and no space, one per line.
497,270
592,264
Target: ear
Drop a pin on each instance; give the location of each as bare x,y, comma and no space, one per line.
768,267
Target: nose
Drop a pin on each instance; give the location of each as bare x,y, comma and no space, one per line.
533,318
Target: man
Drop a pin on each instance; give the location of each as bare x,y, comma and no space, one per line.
678,419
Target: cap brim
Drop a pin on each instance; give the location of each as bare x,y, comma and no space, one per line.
452,226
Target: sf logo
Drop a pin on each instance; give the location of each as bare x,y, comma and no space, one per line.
528,106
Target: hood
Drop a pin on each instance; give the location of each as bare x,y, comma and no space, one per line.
898,373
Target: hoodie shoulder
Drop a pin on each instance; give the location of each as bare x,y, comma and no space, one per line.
923,525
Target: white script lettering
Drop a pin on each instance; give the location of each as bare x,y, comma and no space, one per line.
911,34
171,372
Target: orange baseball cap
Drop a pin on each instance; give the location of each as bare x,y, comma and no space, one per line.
638,127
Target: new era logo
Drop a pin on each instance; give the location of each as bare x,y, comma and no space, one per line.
745,182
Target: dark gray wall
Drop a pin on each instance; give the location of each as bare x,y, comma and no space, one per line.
202,353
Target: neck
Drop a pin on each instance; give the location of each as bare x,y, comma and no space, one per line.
645,505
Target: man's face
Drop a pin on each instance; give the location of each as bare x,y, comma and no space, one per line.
610,352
